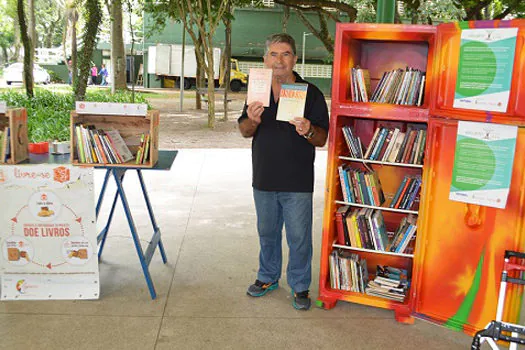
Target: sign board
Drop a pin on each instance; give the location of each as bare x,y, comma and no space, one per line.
48,237
105,108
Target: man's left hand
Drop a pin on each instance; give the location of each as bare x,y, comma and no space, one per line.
302,125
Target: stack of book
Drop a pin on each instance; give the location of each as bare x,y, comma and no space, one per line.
407,193
389,283
359,186
5,144
394,146
402,87
97,146
348,272
362,228
405,232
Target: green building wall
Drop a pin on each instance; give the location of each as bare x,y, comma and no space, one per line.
250,28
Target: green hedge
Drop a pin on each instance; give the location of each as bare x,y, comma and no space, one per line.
48,112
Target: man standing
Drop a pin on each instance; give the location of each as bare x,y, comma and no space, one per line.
283,156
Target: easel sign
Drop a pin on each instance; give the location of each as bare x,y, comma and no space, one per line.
106,108
47,236
3,107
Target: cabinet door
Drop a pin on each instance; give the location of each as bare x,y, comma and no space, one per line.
461,246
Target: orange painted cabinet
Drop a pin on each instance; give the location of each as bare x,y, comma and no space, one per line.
453,261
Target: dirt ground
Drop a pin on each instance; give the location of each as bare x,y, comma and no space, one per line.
189,128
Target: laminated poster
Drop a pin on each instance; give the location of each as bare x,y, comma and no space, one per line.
47,235
483,162
486,59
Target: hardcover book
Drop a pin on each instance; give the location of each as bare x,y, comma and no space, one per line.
292,100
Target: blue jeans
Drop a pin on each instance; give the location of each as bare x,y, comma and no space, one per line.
294,210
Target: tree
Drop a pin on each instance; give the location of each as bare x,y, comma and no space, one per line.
71,17
7,32
118,52
92,16
49,28
201,18
28,47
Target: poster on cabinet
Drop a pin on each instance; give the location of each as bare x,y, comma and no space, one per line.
483,161
486,60
48,233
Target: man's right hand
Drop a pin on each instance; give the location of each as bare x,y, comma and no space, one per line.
254,111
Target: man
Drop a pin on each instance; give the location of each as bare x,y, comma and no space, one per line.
283,156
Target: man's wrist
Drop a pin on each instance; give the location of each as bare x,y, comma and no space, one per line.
310,134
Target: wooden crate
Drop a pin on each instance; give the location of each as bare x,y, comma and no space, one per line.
16,120
130,128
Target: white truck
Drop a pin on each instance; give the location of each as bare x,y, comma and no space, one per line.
166,60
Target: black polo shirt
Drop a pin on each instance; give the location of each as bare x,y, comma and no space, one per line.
282,160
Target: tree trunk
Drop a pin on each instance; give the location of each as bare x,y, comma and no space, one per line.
28,46
286,17
32,26
200,74
118,53
74,51
16,25
92,19
227,59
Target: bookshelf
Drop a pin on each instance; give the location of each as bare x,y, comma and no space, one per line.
15,119
378,49
455,265
130,128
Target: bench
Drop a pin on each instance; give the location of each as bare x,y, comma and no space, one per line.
203,92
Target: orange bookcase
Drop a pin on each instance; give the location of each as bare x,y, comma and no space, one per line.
457,257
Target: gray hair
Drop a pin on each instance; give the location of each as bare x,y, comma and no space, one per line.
280,38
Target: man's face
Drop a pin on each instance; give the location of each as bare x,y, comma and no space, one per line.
280,59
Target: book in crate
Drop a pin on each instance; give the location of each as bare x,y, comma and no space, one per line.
115,140
13,136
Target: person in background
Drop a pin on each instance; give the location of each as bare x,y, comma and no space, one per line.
283,156
94,73
70,72
103,75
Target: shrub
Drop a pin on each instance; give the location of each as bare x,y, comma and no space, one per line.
48,113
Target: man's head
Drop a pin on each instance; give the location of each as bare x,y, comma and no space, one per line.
280,55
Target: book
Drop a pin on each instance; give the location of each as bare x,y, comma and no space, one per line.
292,101
259,86
120,145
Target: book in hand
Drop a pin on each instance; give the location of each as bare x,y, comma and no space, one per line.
259,86
292,100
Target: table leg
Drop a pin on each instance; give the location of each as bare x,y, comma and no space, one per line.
101,238
156,229
118,174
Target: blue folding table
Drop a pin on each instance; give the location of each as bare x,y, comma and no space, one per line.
165,162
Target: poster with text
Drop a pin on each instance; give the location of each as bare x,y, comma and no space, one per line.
47,233
483,162
486,59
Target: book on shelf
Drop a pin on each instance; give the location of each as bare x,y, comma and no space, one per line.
406,193
342,231
292,100
360,84
353,142
362,228
348,271
389,283
142,155
392,145
404,233
398,86
361,186
259,86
